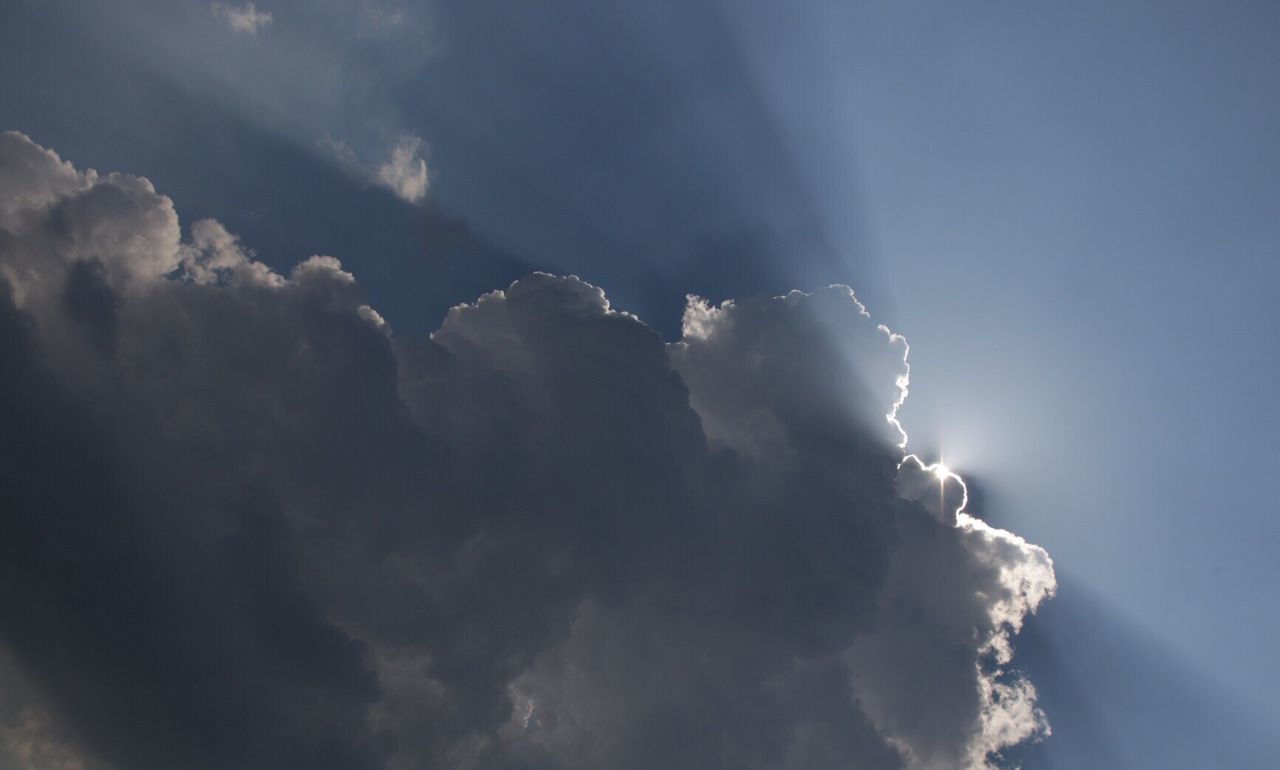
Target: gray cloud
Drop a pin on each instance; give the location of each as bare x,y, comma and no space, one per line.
249,526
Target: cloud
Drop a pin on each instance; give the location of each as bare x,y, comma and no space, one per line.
379,20
249,526
246,19
405,173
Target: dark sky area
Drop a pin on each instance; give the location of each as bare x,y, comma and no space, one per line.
539,532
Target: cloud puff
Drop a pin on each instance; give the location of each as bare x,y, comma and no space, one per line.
248,526
246,19
405,173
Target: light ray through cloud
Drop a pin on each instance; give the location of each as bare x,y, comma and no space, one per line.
1076,286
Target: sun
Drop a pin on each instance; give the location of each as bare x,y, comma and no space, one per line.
941,471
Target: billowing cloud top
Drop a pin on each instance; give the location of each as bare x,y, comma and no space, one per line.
246,525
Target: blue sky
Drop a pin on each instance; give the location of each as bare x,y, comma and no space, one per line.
1069,210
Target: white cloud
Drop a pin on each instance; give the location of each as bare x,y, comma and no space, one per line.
405,173
246,19
340,151
214,255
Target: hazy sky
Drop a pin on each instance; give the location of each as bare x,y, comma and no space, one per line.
1070,210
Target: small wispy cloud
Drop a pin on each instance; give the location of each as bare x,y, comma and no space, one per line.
375,20
246,18
405,173
339,151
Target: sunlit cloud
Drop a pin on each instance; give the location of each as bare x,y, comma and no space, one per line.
405,172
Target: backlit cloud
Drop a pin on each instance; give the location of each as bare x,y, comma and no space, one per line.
249,526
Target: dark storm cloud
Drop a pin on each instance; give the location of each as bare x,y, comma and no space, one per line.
248,526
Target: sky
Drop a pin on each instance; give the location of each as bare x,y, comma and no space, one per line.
1067,210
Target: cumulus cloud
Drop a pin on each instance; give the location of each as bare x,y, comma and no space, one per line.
245,19
249,526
